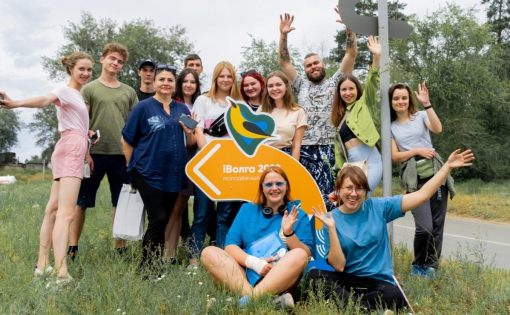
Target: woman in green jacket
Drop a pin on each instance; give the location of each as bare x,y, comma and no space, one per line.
356,137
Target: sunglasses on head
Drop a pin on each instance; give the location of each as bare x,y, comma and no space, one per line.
165,67
249,72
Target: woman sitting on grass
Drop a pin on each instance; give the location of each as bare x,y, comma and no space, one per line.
359,248
267,247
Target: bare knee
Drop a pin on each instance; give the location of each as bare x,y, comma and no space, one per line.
209,255
299,254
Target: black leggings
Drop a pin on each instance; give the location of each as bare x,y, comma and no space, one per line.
371,293
158,205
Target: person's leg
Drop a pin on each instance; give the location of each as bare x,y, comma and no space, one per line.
67,194
423,233
212,226
380,294
173,228
225,213
319,160
117,176
284,274
225,270
185,226
86,199
201,207
48,222
439,205
329,283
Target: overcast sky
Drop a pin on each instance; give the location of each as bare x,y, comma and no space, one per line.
217,28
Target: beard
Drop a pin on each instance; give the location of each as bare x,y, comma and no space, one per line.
316,79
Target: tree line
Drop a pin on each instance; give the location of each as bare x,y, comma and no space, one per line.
463,61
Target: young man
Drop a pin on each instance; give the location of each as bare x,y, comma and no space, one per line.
193,61
146,71
315,93
109,102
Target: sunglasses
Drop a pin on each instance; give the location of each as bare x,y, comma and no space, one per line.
165,67
249,72
269,185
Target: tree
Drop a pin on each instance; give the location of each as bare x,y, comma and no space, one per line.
460,61
9,126
143,39
498,16
365,8
263,56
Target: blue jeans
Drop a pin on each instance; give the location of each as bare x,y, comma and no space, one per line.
202,209
225,214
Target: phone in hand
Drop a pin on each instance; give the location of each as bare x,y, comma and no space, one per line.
188,121
95,136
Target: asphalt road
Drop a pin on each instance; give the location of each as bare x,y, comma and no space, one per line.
475,240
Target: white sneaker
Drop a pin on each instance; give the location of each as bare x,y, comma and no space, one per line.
64,281
48,271
284,301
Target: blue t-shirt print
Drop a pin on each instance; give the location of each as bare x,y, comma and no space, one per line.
156,123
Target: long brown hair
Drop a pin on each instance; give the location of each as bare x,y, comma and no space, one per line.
70,61
339,106
260,198
268,103
412,109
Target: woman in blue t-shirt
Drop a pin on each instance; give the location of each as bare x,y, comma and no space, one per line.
268,246
154,147
411,145
359,247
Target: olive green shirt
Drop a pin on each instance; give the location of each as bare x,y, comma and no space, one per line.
108,111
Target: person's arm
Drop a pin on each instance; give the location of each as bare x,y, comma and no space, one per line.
401,156
283,52
127,149
351,48
33,102
296,142
288,221
260,266
336,257
456,160
434,123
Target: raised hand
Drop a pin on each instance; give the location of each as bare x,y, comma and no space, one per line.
289,219
6,100
325,218
461,159
422,95
286,23
373,45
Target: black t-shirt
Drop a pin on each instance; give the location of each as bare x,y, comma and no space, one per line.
142,95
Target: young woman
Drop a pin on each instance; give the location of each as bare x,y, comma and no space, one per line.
252,88
411,145
208,108
290,118
359,248
187,90
357,135
154,146
273,213
67,160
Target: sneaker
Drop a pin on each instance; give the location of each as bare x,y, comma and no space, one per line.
243,301
62,281
284,301
424,272
38,273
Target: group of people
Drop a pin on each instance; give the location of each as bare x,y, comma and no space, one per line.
324,123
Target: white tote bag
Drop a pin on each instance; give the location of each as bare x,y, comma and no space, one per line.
129,218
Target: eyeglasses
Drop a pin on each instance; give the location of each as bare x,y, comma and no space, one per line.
270,185
166,67
248,72
358,191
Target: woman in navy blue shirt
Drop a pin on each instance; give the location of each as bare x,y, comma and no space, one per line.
155,148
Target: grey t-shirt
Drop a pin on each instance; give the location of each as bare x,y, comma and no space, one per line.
413,133
317,100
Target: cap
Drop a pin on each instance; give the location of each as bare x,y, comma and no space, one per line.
147,62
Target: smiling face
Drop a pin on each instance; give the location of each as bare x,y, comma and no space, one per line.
164,84
189,85
252,87
400,101
82,71
351,196
314,69
112,62
348,92
225,81
276,88
274,188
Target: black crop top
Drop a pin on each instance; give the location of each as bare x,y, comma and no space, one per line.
346,133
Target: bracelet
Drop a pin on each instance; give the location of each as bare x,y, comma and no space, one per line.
289,235
428,106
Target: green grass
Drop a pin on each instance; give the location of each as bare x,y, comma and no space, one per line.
107,284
